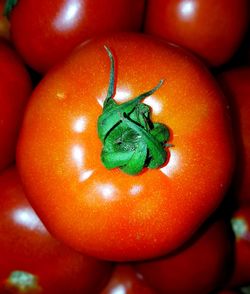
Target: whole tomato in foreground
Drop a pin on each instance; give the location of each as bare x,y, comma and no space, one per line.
15,89
241,227
125,280
112,176
236,84
31,261
203,265
44,32
212,29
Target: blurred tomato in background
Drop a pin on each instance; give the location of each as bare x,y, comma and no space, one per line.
203,265
45,32
15,89
211,29
236,85
126,280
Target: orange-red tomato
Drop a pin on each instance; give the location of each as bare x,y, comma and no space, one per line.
125,280
33,262
107,213
203,265
236,84
212,29
44,32
15,89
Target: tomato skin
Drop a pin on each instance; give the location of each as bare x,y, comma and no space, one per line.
201,266
26,245
15,89
107,213
236,84
127,281
59,26
241,225
201,26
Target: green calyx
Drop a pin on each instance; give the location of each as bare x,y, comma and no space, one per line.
22,282
9,4
131,141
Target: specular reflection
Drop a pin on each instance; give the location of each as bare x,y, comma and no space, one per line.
107,191
119,289
155,104
135,190
173,164
121,95
187,9
27,218
79,125
77,153
69,15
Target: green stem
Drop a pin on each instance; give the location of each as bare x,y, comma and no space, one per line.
131,141
9,4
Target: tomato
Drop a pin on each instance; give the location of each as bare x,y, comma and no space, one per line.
106,212
31,261
201,266
241,227
126,281
45,32
15,89
212,29
236,84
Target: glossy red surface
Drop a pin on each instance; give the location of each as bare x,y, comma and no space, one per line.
126,281
107,213
45,32
31,261
202,266
15,89
236,84
212,29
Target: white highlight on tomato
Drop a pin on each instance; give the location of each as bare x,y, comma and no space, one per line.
79,125
187,9
173,164
69,15
27,218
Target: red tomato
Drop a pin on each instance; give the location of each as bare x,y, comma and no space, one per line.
200,267
44,32
15,88
236,84
212,29
241,227
108,213
126,281
31,261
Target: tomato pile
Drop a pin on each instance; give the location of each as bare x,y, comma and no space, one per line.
125,146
